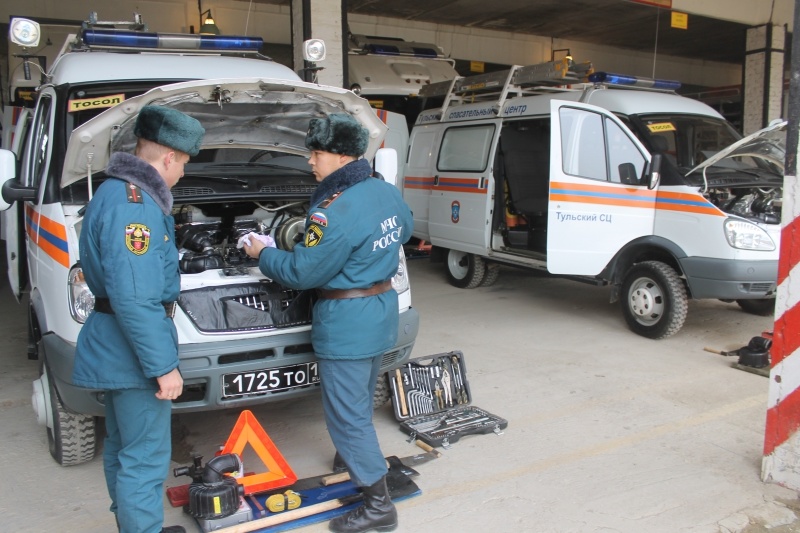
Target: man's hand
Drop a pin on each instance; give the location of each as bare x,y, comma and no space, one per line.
253,243
170,385
254,248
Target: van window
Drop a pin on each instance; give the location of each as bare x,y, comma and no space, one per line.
626,163
466,148
39,144
582,147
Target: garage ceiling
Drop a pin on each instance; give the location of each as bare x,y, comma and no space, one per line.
619,23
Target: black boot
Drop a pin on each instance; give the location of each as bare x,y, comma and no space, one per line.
173,529
377,513
339,465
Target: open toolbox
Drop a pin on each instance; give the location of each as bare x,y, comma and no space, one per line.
432,401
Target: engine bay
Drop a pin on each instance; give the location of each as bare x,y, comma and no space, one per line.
757,204
207,236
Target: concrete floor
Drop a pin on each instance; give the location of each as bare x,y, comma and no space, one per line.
608,431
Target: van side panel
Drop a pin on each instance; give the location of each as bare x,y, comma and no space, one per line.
419,176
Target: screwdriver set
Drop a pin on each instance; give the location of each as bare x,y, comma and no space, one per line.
431,398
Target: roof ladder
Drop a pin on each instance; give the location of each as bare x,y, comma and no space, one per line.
520,80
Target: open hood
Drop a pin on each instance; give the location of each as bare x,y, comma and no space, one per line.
768,144
236,113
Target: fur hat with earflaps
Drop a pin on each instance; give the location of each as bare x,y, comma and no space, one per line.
169,127
338,133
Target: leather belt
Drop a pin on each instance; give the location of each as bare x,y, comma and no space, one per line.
103,305
341,294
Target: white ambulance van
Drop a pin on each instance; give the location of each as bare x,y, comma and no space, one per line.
606,182
244,339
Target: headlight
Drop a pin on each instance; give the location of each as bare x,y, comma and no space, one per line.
747,236
400,280
81,299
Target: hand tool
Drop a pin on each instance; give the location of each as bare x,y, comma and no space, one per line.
401,464
448,393
721,352
403,409
476,422
288,516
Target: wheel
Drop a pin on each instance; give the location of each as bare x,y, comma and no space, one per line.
760,306
382,394
72,439
492,273
464,270
654,300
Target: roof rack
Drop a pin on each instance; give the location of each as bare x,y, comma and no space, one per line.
518,80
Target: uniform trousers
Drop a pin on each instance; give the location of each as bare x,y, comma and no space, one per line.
136,457
347,390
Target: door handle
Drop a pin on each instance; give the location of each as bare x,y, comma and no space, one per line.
435,181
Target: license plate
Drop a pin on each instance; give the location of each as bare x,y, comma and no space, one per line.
271,380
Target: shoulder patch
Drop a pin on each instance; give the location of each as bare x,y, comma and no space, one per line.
328,201
313,236
134,193
319,219
137,238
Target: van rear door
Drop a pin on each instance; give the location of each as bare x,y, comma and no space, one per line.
599,198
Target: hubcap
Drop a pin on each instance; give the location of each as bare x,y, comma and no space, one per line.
646,301
458,264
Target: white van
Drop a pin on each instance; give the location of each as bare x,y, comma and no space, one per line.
391,72
604,182
244,339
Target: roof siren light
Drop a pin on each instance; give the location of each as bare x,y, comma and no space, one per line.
634,81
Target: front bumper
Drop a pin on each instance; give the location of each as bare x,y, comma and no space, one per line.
203,365
727,279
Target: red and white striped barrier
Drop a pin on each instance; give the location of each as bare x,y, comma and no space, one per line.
781,462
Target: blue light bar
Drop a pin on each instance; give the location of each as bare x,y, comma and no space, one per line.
425,52
633,81
104,38
383,49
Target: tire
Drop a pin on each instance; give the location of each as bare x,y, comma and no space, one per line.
382,394
760,306
72,439
654,300
492,273
464,270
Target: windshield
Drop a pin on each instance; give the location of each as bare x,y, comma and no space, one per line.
688,140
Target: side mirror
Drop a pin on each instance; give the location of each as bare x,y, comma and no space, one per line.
654,172
386,164
627,174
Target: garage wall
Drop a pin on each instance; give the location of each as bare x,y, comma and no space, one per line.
272,23
522,49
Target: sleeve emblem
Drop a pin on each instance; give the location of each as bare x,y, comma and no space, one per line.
319,219
313,236
137,238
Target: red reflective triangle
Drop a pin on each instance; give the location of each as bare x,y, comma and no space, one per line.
248,431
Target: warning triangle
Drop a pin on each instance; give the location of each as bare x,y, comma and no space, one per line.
248,431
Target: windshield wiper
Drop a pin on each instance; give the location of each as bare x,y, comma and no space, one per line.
229,179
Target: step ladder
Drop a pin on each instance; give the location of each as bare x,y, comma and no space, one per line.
551,76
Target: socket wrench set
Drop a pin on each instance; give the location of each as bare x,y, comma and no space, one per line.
431,399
